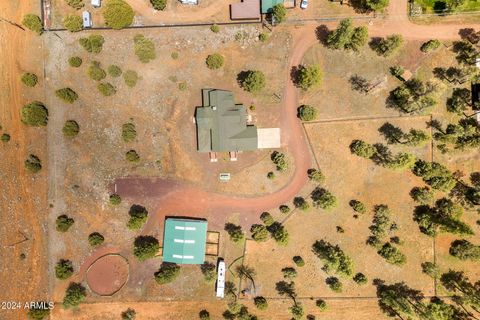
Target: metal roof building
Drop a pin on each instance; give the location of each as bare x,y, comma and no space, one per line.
184,241
267,5
222,124
247,9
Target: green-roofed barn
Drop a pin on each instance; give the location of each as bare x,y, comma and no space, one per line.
184,241
222,124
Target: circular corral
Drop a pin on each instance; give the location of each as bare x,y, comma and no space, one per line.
108,274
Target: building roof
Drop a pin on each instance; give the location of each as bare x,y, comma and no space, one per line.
267,5
222,124
247,9
269,138
184,241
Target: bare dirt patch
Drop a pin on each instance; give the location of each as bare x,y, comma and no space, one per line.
107,274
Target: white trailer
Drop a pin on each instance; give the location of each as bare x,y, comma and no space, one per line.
221,279
87,19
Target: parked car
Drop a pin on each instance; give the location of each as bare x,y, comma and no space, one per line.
304,4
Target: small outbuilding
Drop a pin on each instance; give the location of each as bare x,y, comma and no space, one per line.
184,241
96,3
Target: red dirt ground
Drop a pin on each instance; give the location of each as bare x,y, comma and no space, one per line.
108,274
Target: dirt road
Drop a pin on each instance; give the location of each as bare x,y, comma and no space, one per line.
23,204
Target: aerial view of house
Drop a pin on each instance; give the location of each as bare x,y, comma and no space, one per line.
240,159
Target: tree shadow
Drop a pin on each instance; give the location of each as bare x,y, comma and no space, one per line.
322,33
469,34
241,76
294,74
391,133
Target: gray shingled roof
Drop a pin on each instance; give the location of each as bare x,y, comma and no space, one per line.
222,124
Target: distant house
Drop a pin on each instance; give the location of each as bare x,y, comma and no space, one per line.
96,3
184,241
245,10
222,126
87,19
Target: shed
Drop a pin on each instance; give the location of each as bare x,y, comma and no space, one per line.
184,241
245,10
87,19
194,2
96,3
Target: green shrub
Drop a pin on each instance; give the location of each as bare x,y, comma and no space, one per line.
307,113
158,4
323,199
75,62
279,233
128,132
235,232
315,175
263,37
115,199
357,206
260,302
334,284
204,315
132,156
289,273
76,4
5,137
73,23
174,55
209,271
138,217
67,95
215,28
321,304
298,261
93,43
95,239
362,149
360,278
145,247
131,77
75,294
106,89
301,203
259,233
71,128
63,269
271,175
129,314
182,86
284,209
33,164
397,71
392,255
253,81
95,72
35,114
214,61
29,79
280,160
63,223
38,313
33,23
308,77
387,46
144,48
267,218
114,71
167,273
279,13
430,45
118,14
